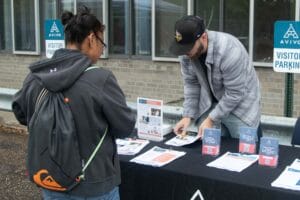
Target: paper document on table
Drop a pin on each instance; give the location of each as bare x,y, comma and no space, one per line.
288,179
157,156
234,161
130,146
296,164
180,140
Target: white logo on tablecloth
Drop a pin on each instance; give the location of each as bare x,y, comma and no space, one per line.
197,194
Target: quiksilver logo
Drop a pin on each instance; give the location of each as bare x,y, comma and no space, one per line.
43,179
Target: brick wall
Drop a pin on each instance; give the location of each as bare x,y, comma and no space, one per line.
160,80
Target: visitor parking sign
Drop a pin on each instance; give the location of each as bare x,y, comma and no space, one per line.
286,57
54,36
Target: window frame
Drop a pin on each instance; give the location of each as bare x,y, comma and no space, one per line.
37,30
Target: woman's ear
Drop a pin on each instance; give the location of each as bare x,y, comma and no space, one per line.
90,39
204,35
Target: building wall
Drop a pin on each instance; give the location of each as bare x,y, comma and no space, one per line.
159,80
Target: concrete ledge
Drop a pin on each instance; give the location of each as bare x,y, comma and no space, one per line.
6,95
173,112
287,122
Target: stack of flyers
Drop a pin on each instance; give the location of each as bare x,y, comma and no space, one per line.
247,140
268,152
211,141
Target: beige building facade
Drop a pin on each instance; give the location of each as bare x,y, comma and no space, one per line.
138,34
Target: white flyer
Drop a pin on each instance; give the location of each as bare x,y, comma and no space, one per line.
158,157
180,140
149,119
130,146
288,179
234,161
296,164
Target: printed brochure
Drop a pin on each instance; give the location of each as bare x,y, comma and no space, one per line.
158,157
149,119
130,146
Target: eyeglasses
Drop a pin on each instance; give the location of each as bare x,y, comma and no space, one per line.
103,43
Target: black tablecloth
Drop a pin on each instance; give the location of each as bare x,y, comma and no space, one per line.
181,178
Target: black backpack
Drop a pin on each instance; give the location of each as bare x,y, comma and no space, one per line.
54,160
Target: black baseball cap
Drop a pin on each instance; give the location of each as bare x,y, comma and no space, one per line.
187,30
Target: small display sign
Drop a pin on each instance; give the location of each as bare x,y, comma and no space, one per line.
247,140
150,119
268,152
211,141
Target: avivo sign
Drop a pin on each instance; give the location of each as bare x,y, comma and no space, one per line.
286,56
54,36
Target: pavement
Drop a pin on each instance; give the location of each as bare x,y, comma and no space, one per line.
15,184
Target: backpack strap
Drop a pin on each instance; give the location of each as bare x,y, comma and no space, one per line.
81,177
40,97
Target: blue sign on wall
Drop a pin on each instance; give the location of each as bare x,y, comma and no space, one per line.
54,36
287,34
54,30
286,56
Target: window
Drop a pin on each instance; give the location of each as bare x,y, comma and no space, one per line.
66,5
51,9
119,27
209,10
167,12
95,6
265,15
236,20
231,16
48,10
130,27
142,27
5,25
25,29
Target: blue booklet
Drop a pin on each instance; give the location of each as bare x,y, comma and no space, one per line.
247,140
211,141
268,151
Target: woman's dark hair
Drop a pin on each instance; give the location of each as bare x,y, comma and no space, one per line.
78,27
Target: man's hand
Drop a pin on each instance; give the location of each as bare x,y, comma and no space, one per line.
181,127
207,123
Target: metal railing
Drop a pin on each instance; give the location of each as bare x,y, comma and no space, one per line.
171,113
6,95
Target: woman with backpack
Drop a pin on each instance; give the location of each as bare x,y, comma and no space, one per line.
98,108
